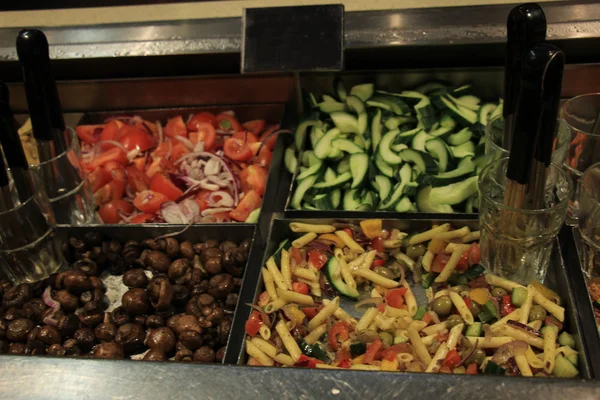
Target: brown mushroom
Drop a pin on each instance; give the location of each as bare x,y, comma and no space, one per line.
136,301
68,324
182,323
71,348
85,338
120,316
204,354
227,245
131,337
68,302
220,354
220,286
17,348
75,282
187,250
180,271
34,309
154,321
135,278
191,339
87,267
49,335
234,261
110,351
155,355
181,295
172,247
158,261
56,350
97,283
161,339
18,295
18,330
184,355
106,331
160,292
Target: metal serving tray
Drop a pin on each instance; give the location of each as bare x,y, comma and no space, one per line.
194,233
557,277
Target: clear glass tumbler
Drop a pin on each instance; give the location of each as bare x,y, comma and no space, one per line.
517,243
581,118
68,189
29,247
589,221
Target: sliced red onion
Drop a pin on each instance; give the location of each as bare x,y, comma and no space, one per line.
161,136
189,118
114,143
212,167
133,153
199,146
47,297
204,184
221,182
212,211
182,213
186,142
220,199
523,327
48,320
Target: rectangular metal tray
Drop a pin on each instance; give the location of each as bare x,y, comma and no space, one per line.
557,277
194,233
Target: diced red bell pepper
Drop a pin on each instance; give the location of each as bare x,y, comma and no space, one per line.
472,369
311,312
254,323
305,361
378,262
507,306
318,258
394,297
452,359
391,352
344,364
296,255
380,307
377,244
372,350
339,333
428,317
300,287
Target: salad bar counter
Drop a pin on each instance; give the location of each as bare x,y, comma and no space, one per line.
302,235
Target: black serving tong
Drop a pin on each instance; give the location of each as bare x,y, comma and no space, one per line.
42,96
12,146
525,26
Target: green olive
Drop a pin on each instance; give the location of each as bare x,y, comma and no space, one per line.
477,357
416,251
395,267
367,336
475,308
453,320
462,279
498,291
385,272
537,313
386,339
459,370
442,306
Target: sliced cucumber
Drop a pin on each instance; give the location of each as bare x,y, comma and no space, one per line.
389,103
440,151
347,146
312,170
376,130
324,146
359,166
460,137
322,201
355,104
429,87
329,98
343,165
363,91
351,201
426,113
404,205
339,181
466,149
407,137
316,133
464,171
424,203
462,90
290,160
328,107
454,193
385,150
301,131
463,114
334,276
384,186
301,189
394,122
345,122
385,168
422,160
418,142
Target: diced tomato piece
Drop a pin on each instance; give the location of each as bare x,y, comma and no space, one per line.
254,323
116,170
269,137
89,133
162,184
141,218
391,352
263,299
452,359
474,254
111,131
246,137
228,122
344,364
317,258
311,312
305,361
175,127
159,164
149,201
372,350
201,199
250,202
427,318
179,150
297,256
264,158
340,332
137,179
98,178
204,132
109,212
463,263
377,244
300,287
114,154
380,307
395,297
468,303
201,118
378,262
237,150
439,262
135,138
256,126
140,163
254,178
472,369
507,306
163,149
113,190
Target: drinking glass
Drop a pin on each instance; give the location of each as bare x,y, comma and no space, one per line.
589,221
581,119
517,243
29,247
68,189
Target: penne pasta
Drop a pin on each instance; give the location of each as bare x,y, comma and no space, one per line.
557,311
305,273
275,305
368,260
376,278
427,260
264,332
533,360
526,307
299,227
344,269
264,346
349,242
258,355
288,341
316,334
341,314
409,299
404,357
443,292
418,345
537,324
431,329
428,340
495,280
472,237
489,342
286,272
293,297
428,235
455,234
277,277
304,240
517,334
400,256
383,323
429,294
366,320
325,313
455,334
395,312
451,247
326,366
418,325
451,265
440,354
284,359
269,284
365,367
357,262
550,333
513,316
523,365
462,308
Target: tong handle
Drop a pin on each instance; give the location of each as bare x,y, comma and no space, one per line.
9,135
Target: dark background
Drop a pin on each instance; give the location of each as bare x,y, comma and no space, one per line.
20,5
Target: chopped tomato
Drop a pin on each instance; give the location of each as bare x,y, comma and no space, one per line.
297,256
254,178
452,359
109,212
463,263
263,299
311,312
427,318
270,137
300,287
201,199
98,178
118,173
380,307
256,126
135,138
149,201
344,364
163,149
237,150
507,306
263,158
474,254
439,262
141,218
228,122
162,184
349,232
391,352
317,258
89,133
113,190
339,333
305,361
377,244
114,154
372,350
254,323
468,303
175,127
137,179
205,133
111,130
250,202
394,297
201,118
472,369
378,262
179,150
159,164
140,163
246,137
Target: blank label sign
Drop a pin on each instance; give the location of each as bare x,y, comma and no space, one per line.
285,39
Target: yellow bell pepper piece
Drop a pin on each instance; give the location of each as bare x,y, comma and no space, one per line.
546,292
330,237
436,246
372,228
387,365
479,295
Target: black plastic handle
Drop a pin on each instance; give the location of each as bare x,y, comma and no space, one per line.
42,96
9,135
525,26
3,173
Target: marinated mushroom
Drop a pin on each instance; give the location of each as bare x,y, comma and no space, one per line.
135,278
181,295
116,264
49,335
136,301
71,347
160,292
220,354
86,266
220,286
56,350
158,261
34,309
161,339
85,338
35,348
187,249
182,323
191,340
155,355
109,350
180,271
234,261
68,302
68,324
17,348
245,245
106,331
184,355
131,337
18,295
131,251
154,321
204,354
18,329
172,247
120,316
